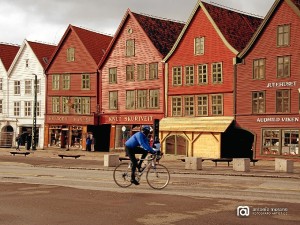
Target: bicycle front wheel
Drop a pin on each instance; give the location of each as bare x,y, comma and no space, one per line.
122,175
158,176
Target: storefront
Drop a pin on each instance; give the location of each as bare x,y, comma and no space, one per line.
195,137
122,127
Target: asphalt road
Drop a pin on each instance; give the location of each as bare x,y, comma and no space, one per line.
38,195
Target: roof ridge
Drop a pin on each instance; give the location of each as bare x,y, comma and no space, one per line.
160,18
236,10
42,42
92,30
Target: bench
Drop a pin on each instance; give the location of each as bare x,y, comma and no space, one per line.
253,161
228,160
20,153
70,156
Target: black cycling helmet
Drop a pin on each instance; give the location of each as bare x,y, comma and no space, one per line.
146,129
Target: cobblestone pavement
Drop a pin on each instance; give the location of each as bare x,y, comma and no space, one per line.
95,161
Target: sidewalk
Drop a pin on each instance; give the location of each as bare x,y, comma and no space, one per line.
95,161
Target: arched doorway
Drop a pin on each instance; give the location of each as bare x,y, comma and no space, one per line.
176,145
6,137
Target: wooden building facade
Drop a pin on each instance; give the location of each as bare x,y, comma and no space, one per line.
132,75
200,81
72,107
268,79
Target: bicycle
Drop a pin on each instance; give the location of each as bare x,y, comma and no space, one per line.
157,175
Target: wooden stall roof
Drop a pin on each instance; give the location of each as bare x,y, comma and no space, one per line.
195,124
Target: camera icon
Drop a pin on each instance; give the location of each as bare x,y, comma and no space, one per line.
243,211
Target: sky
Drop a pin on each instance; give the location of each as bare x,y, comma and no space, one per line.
47,20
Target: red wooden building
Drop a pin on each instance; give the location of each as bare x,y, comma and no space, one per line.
200,81
72,104
132,73
268,80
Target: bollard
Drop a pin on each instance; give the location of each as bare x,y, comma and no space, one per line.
241,164
284,165
111,160
193,163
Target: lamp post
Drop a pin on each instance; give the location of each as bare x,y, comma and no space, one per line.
34,113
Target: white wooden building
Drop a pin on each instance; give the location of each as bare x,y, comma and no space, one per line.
29,62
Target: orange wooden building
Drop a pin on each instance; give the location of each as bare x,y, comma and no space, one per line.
132,75
268,79
72,105
200,82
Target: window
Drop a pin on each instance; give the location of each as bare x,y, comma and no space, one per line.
85,105
202,74
17,87
177,78
1,84
217,105
199,46
38,86
142,99
65,104
153,71
202,105
55,82
66,82
154,99
85,82
130,73
258,102
217,76
113,100
283,66
27,108
280,142
283,101
28,87
55,104
1,106
17,106
189,75
259,69
176,106
70,54
112,75
77,105
283,35
141,72
26,63
189,105
130,47
130,99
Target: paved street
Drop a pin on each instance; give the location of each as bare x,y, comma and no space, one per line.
82,191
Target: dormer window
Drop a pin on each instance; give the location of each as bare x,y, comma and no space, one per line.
70,54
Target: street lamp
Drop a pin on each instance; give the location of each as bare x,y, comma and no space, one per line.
34,112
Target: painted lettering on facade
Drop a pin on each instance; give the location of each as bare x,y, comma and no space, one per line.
129,119
281,84
278,119
70,119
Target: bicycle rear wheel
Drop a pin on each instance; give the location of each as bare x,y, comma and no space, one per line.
122,175
158,176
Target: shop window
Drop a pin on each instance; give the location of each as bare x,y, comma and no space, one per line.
176,145
280,142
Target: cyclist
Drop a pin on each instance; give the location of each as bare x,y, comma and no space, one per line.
138,144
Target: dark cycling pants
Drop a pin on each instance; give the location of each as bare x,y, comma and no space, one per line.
131,153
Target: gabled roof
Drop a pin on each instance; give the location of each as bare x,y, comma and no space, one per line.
233,27
161,32
294,4
95,43
8,53
42,51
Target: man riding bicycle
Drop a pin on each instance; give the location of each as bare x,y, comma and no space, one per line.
138,144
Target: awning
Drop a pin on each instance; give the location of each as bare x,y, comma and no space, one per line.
195,124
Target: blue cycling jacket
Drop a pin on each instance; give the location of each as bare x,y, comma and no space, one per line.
138,139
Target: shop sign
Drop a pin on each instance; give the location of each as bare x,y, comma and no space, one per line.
128,119
70,119
277,119
281,84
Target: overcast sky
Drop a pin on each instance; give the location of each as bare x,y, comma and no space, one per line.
47,20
